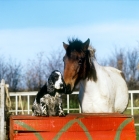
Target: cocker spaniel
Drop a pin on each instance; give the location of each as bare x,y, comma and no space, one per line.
48,101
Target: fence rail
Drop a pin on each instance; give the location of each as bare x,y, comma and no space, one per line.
2,103
133,106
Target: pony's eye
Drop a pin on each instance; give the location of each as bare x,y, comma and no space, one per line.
77,58
80,61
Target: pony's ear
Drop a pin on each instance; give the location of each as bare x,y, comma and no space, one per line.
65,45
86,44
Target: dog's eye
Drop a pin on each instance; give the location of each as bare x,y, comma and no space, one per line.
56,77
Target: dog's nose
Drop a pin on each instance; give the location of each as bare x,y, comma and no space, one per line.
61,85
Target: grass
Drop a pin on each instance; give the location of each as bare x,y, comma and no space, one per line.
136,118
137,132
136,115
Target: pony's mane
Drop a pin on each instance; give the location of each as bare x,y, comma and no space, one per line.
77,45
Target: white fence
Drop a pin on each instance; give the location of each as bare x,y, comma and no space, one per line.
2,104
18,101
4,108
133,106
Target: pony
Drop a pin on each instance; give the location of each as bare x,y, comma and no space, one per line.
101,89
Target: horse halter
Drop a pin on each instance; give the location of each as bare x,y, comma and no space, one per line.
80,62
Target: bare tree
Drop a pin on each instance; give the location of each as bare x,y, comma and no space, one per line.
133,61
128,62
38,70
54,62
31,80
3,68
34,75
117,60
13,75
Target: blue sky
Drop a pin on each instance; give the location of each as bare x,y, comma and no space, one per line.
29,27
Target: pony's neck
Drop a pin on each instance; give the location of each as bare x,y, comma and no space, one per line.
94,61
83,82
92,73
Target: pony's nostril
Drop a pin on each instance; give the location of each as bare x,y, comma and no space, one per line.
68,89
68,86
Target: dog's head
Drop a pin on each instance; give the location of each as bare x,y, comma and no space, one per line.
56,81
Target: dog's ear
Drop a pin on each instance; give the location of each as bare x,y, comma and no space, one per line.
41,93
50,86
51,79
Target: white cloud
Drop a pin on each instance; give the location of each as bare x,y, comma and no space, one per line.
25,43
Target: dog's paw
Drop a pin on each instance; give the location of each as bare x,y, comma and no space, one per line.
62,114
45,114
38,114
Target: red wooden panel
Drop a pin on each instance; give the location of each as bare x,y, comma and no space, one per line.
73,126
96,135
56,124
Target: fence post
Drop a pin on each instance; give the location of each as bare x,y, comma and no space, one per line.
2,103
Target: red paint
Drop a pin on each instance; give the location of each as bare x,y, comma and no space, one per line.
98,126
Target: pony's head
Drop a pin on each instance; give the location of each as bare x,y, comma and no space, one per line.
77,63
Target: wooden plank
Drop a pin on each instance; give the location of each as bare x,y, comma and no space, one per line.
73,115
2,103
55,124
105,135
73,126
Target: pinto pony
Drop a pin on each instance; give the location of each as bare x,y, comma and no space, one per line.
101,89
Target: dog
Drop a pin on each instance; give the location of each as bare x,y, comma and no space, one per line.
48,101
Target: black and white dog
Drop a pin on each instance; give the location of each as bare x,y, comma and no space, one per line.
48,101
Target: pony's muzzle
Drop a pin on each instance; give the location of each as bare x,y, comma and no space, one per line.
68,89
